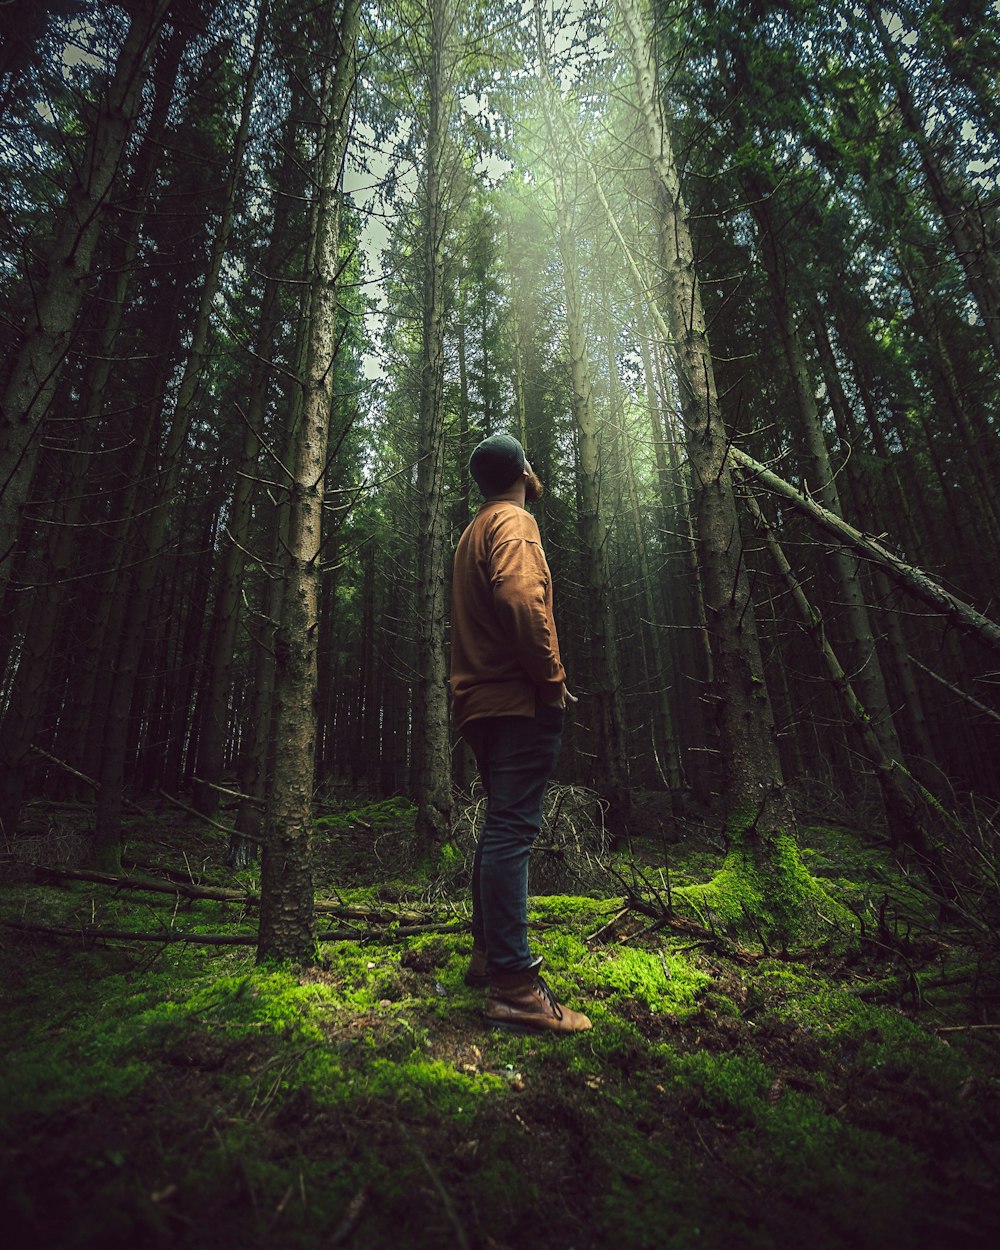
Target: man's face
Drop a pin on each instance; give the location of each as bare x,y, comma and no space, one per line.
533,488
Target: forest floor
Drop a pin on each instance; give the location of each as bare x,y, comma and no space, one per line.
177,1095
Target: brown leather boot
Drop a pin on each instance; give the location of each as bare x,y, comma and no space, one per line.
477,973
525,1004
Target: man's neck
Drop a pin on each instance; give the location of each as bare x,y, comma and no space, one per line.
514,495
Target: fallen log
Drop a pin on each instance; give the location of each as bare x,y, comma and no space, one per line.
221,894
88,781
240,938
166,936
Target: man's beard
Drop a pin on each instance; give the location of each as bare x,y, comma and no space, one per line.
533,488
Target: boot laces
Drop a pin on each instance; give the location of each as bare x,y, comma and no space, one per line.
545,993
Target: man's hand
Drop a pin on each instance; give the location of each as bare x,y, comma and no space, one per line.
565,698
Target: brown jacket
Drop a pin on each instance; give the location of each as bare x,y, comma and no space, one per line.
504,645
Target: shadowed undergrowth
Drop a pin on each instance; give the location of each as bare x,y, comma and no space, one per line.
178,1097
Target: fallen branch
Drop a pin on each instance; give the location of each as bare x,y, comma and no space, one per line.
207,820
233,794
962,1028
67,768
151,885
662,916
352,1216
220,894
87,781
980,707
169,874
166,936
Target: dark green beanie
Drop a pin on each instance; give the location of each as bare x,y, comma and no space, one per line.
497,463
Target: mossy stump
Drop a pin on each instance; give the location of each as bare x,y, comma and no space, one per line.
764,893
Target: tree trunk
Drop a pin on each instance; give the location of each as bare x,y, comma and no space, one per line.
431,732
913,710
287,928
152,529
650,634
965,217
215,719
763,877
34,667
862,654
912,816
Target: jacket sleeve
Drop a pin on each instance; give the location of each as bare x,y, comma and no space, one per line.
520,580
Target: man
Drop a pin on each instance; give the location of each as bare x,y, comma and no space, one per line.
510,695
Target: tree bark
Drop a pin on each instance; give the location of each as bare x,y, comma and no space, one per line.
431,730
215,720
862,653
287,927
758,811
153,527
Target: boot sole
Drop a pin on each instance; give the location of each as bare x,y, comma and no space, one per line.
509,1026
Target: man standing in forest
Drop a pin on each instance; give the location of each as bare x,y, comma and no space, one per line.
510,697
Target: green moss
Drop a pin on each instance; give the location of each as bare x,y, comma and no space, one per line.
768,896
569,909
450,859
385,813
564,952
859,1185
272,1097
663,981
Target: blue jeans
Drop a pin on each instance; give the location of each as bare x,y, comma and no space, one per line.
516,756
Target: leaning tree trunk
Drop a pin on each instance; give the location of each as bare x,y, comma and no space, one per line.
913,817
287,927
953,611
921,748
861,649
35,370
431,737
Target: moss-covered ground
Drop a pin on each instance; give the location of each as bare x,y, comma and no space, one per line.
160,1096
